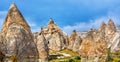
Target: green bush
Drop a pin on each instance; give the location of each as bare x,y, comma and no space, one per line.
77,58
71,60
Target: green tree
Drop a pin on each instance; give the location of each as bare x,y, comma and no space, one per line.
109,59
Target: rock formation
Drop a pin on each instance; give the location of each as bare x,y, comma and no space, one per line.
115,45
112,37
42,48
74,41
55,36
16,36
77,44
110,31
35,35
102,27
93,45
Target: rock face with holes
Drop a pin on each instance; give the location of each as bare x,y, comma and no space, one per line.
56,38
42,47
93,45
16,36
74,41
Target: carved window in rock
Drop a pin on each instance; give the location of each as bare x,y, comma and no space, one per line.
48,42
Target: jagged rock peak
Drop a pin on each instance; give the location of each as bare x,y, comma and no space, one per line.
110,28
51,21
13,5
14,16
111,23
102,26
74,33
17,36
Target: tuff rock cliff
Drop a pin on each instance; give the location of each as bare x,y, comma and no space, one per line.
74,41
93,45
42,47
16,36
56,38
110,31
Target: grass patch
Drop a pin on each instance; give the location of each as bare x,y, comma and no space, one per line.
73,58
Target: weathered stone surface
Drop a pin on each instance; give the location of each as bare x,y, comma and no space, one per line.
82,34
16,36
110,31
93,45
35,35
115,44
110,28
56,38
42,48
77,44
74,41
102,27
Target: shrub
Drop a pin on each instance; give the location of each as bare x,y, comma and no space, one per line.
77,58
71,60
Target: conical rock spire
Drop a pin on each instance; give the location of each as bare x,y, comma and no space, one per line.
17,36
14,16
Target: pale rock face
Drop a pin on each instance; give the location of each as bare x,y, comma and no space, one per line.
55,37
74,41
110,31
77,44
35,35
110,28
42,48
82,34
102,27
16,36
115,45
93,45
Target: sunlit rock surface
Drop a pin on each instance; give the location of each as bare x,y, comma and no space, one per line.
56,38
110,31
93,45
74,41
42,47
16,36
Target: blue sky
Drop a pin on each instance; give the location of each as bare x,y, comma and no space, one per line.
68,14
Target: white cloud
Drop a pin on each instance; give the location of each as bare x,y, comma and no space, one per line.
95,23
